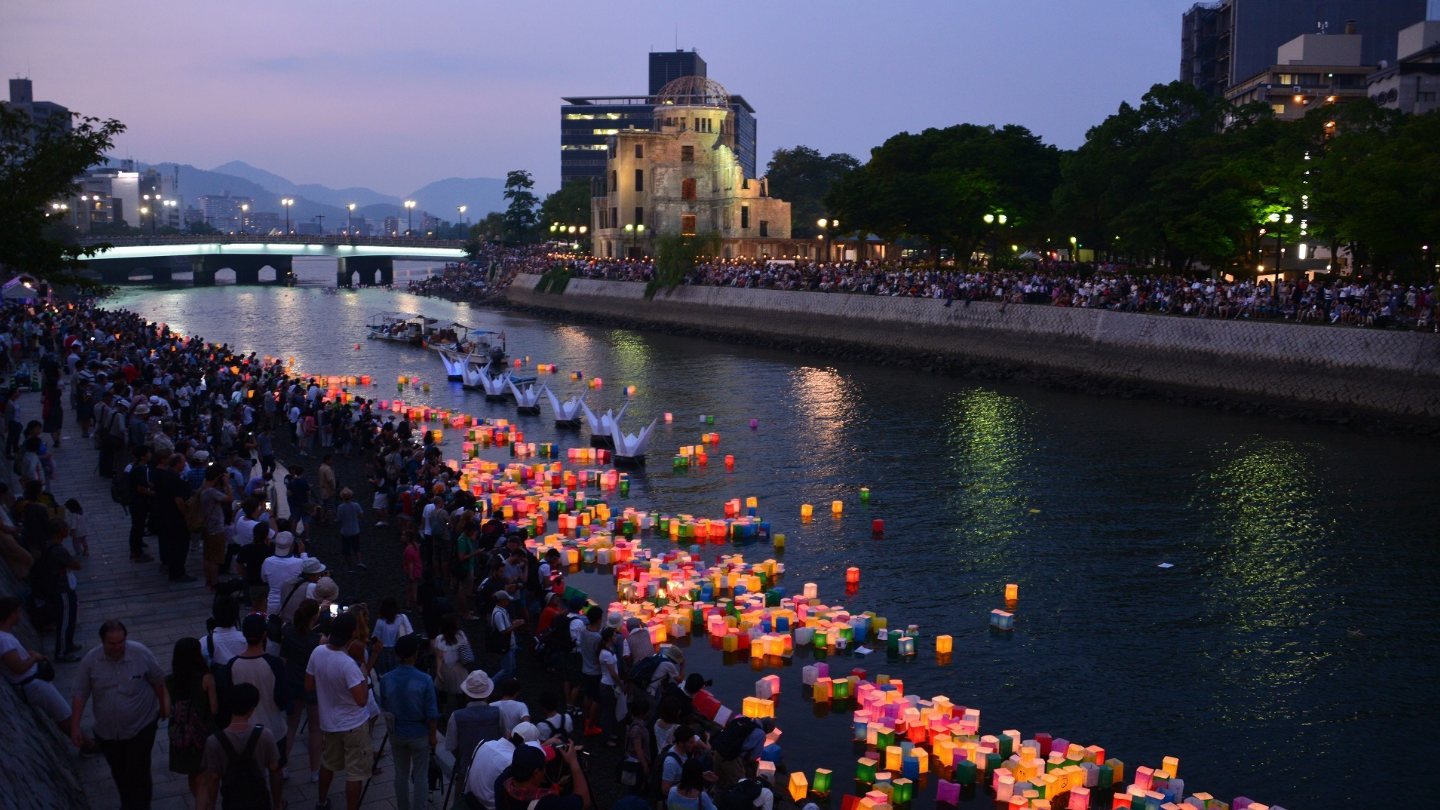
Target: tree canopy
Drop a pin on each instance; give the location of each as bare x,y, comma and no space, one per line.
802,176
521,222
40,166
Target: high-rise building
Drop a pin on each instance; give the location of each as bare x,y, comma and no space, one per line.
22,98
1228,42
226,213
587,122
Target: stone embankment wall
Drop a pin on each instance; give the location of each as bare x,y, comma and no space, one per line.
1387,373
37,767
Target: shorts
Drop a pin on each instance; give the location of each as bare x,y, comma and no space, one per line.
381,501
44,696
348,751
214,549
349,544
574,672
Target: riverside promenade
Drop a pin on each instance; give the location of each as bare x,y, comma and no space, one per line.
157,613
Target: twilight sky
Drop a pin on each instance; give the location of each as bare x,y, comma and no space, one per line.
393,95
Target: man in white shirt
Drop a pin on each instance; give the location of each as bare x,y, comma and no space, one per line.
343,692
280,568
225,641
512,711
494,757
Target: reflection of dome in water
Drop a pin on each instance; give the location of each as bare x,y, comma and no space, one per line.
692,91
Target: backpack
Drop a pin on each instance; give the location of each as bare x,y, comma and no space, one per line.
657,773
558,640
644,670
120,487
741,795
243,785
731,739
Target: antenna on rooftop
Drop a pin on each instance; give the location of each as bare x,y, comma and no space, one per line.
1322,27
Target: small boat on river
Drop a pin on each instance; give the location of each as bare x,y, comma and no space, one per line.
399,327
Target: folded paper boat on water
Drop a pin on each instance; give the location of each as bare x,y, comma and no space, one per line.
527,399
567,413
455,365
630,448
494,387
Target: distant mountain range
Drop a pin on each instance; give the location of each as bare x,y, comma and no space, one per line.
480,195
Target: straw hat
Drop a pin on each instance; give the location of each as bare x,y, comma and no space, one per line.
614,620
477,685
142,410
675,654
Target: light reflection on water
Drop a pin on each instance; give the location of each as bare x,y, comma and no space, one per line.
1239,660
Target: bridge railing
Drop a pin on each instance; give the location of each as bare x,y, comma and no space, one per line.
279,239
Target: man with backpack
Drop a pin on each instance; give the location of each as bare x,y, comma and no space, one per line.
142,494
502,633
477,723
747,794
238,759
686,745
265,673
737,748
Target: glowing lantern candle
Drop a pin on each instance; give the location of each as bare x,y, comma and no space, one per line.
837,507
865,770
806,511
821,783
799,786
1079,798
943,644
852,575
893,757
1171,764
1012,592
877,526
947,792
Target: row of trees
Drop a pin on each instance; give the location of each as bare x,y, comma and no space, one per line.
1180,181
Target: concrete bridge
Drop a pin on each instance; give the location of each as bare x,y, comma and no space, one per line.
359,262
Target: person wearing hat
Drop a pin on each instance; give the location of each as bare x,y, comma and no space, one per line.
522,786
637,645
299,588
502,632
266,673
478,722
670,671
142,495
140,426
408,697
493,758
284,566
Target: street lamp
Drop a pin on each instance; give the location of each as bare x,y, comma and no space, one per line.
461,210
287,202
825,226
350,220
244,215
633,233
409,217
1074,250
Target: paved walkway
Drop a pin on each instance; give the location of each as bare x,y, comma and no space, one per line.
157,614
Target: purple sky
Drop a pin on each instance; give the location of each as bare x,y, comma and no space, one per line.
393,95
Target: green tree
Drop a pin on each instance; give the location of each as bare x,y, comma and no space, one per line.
520,215
568,205
802,176
489,229
676,255
941,184
40,165
201,227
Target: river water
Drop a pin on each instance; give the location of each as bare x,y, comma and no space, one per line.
1286,655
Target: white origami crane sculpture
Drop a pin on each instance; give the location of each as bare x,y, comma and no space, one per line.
600,426
454,365
567,411
494,386
529,397
472,376
631,445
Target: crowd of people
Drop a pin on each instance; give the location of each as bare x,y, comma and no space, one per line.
1337,301
475,651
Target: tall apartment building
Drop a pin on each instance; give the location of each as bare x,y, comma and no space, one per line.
586,122
1227,42
225,213
22,98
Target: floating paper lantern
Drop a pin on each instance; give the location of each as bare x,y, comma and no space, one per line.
806,511
1002,620
864,494
669,417
947,792
799,786
877,526
865,770
821,783
852,575
1012,592
943,644
836,507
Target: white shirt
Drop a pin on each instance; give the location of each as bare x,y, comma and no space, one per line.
336,673
277,571
229,642
9,644
608,665
512,714
390,632
244,531
490,759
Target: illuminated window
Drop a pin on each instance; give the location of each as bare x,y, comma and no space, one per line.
687,224
687,188
1278,109
579,117
605,132
687,154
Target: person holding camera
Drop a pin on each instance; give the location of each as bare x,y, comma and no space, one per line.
522,785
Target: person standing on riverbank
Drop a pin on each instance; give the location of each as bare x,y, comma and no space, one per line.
128,688
408,696
347,518
343,693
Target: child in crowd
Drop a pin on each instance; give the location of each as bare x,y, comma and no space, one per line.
79,531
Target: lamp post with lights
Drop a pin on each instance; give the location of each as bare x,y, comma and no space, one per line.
997,218
826,225
409,217
460,217
286,203
633,233
350,220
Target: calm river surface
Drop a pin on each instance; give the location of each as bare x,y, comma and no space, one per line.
1292,643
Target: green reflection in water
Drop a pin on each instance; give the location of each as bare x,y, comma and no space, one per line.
989,449
1273,523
